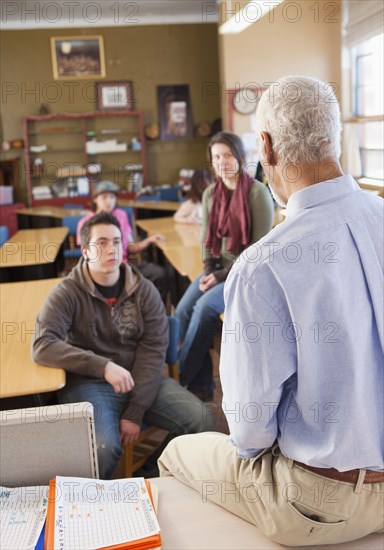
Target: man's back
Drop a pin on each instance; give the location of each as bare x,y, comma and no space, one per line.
314,325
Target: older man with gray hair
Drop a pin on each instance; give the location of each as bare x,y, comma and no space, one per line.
302,349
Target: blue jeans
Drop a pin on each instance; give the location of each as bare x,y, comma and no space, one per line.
198,313
175,409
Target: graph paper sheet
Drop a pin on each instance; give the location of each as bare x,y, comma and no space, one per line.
23,511
92,513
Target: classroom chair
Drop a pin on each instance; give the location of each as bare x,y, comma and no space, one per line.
129,211
4,234
72,206
136,454
72,252
170,194
154,197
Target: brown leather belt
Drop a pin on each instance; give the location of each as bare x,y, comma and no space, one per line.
350,476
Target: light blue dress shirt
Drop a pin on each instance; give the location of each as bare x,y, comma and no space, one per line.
303,335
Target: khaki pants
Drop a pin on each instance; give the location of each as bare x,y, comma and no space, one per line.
290,505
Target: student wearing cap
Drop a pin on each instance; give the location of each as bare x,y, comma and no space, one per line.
105,200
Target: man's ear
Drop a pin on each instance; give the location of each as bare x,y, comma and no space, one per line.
84,253
267,149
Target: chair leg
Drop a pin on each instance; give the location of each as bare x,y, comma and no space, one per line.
128,460
173,371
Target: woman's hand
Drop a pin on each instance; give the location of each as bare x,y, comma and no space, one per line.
207,282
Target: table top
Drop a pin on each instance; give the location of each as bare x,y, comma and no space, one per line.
279,216
176,234
19,374
52,211
181,245
187,262
32,247
150,205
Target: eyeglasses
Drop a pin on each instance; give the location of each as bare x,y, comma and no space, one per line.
105,243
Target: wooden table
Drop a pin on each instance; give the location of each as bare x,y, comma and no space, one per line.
279,215
170,206
45,216
181,246
19,374
32,254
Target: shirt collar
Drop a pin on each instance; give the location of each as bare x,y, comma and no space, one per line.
318,193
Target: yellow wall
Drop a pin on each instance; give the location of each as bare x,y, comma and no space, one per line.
279,45
276,45
148,55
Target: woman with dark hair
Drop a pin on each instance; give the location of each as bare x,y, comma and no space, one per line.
191,210
237,211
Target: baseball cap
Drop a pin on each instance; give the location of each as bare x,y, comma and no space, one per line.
105,187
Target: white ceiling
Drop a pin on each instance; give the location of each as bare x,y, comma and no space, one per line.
30,14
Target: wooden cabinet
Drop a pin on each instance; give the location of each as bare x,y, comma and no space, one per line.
65,154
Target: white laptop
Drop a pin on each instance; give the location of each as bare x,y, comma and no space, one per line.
39,443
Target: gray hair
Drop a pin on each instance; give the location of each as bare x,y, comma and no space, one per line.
302,117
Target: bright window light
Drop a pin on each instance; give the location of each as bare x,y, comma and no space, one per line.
249,14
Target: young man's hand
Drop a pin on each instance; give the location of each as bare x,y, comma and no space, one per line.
119,378
129,431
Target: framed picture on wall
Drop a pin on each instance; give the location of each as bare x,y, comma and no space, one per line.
175,113
78,57
115,95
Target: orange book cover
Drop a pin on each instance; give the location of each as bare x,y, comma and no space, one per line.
147,543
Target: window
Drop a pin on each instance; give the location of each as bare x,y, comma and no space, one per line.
363,91
368,109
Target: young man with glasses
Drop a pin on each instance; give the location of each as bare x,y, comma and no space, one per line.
106,326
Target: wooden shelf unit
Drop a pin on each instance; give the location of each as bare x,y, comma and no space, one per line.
65,136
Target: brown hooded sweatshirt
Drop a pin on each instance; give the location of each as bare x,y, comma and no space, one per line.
78,331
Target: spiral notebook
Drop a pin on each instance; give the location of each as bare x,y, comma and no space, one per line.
87,513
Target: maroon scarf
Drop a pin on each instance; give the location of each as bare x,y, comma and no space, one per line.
230,217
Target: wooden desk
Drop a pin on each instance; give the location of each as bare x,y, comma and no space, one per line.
19,374
176,234
45,216
32,254
186,261
182,244
170,206
279,215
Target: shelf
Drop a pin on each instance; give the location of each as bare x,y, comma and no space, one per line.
176,141
71,133
112,153
60,133
55,151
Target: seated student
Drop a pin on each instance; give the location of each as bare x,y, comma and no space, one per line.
105,200
237,211
301,361
191,210
105,325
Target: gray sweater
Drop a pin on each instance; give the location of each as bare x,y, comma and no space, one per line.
78,331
